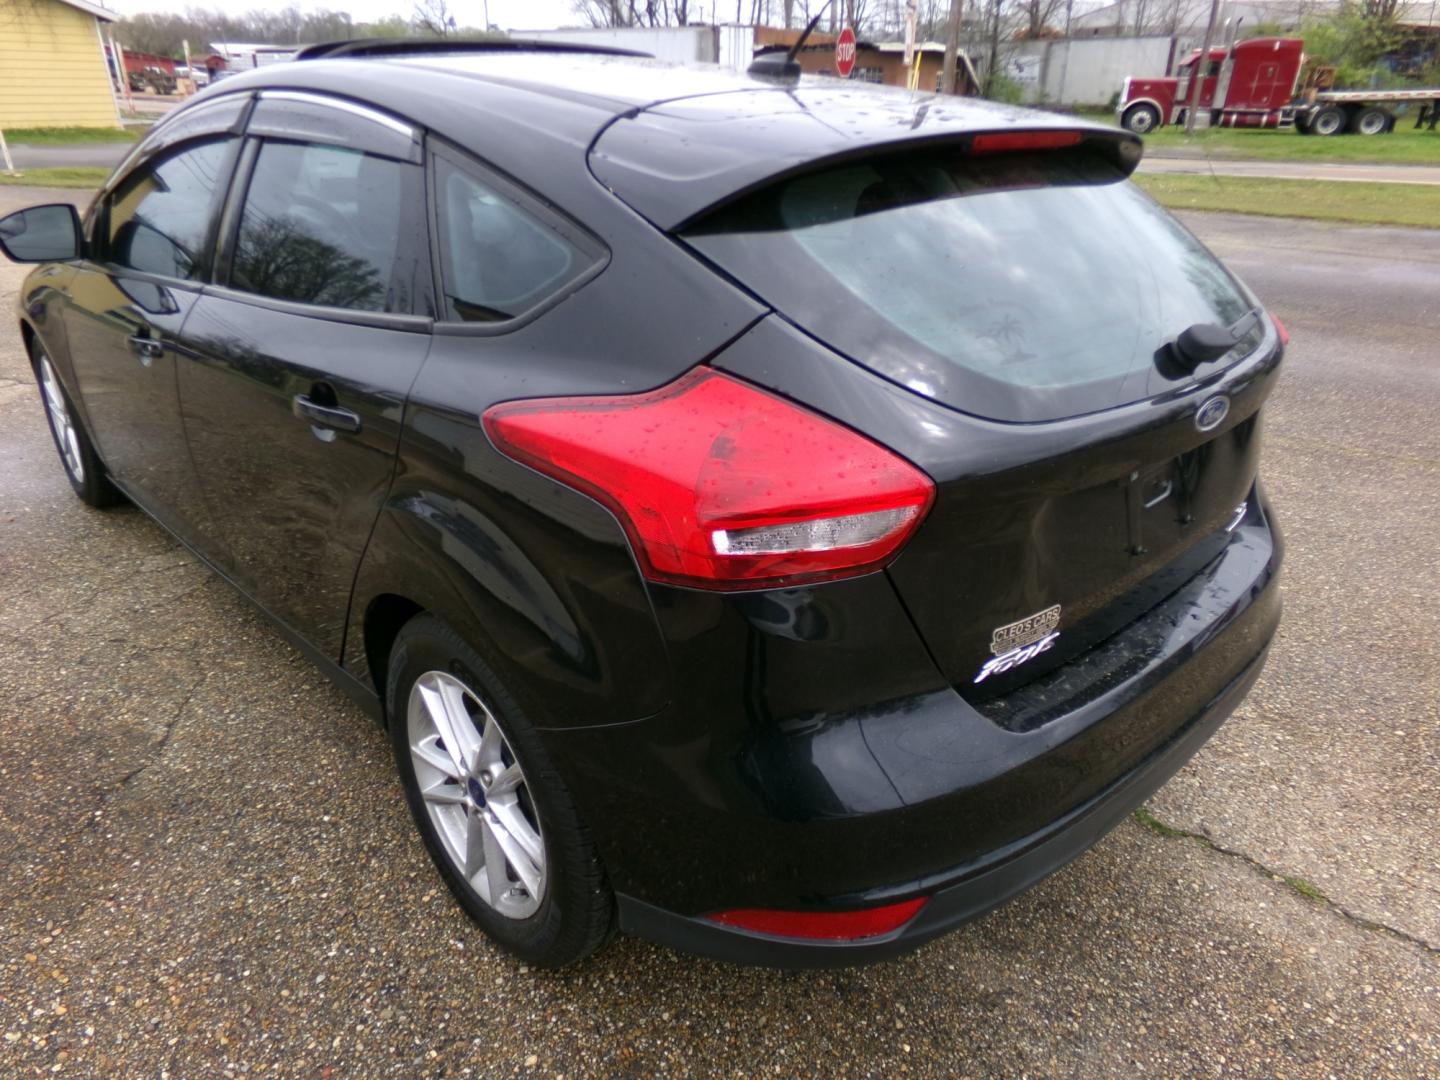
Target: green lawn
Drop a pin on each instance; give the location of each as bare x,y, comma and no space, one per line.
1404,145
77,176
1325,200
64,136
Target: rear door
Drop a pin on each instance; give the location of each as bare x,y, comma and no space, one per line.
299,359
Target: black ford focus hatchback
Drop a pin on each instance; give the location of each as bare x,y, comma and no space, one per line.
782,520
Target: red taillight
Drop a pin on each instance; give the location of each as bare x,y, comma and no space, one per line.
828,925
1000,142
1280,329
721,485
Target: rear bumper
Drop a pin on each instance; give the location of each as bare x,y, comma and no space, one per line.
978,887
773,791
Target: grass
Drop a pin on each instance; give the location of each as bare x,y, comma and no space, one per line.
1306,889
1403,146
78,176
68,136
1322,200
1154,824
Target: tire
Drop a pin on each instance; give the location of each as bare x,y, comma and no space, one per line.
1140,119
1371,120
83,467
1303,125
549,902
1331,120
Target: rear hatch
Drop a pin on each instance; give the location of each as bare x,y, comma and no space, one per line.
1084,469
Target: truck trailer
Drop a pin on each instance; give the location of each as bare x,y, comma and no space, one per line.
1255,84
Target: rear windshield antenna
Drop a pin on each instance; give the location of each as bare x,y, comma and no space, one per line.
784,69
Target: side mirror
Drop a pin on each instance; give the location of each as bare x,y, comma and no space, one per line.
48,233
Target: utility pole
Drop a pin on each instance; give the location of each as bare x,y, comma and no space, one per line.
1202,67
952,48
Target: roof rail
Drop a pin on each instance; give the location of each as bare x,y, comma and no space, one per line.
360,47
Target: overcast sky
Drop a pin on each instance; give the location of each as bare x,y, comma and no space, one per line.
509,14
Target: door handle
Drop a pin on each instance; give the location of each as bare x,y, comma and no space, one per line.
146,348
325,416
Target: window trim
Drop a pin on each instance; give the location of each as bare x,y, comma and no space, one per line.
231,215
571,231
98,224
158,141
356,126
383,320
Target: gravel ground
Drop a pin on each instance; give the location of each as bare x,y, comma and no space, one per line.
206,867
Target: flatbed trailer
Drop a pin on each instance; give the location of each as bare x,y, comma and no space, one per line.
1363,112
1256,84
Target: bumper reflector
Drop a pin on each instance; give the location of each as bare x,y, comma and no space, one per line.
825,925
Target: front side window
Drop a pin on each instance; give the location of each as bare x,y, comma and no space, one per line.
159,218
498,261
328,226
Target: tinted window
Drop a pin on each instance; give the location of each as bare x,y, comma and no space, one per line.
325,225
498,261
1021,287
160,215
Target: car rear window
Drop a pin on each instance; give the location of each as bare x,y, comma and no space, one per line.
1022,287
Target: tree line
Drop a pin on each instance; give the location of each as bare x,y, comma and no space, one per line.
162,34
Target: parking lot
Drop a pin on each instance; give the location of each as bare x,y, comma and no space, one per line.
206,867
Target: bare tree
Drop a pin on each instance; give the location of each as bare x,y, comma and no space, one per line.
433,18
1038,14
627,13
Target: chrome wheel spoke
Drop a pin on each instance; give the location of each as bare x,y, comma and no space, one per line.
475,845
518,860
506,781
495,875
488,755
444,793
474,793
513,822
429,751
457,733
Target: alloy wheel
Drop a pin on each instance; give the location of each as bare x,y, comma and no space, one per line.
60,420
476,795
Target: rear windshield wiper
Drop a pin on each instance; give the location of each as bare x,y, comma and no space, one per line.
1204,342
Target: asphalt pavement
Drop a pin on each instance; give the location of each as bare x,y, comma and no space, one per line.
70,155
206,867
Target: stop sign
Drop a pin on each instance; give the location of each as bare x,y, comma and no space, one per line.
845,53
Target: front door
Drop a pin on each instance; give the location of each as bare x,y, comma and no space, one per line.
126,305
297,366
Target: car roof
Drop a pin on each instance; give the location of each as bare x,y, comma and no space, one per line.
669,140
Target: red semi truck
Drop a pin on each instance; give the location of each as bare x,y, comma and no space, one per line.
1253,84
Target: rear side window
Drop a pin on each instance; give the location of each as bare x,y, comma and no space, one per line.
331,226
499,259
159,218
1021,287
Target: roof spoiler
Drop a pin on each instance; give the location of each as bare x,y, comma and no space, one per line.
363,47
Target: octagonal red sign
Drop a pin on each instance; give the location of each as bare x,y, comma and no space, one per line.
845,53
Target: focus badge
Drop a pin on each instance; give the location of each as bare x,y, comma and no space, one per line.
1017,642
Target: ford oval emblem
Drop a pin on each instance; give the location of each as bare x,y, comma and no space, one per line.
1212,413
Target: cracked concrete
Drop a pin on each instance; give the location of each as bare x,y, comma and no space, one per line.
206,867
1299,885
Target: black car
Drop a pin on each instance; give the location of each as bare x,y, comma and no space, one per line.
782,520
